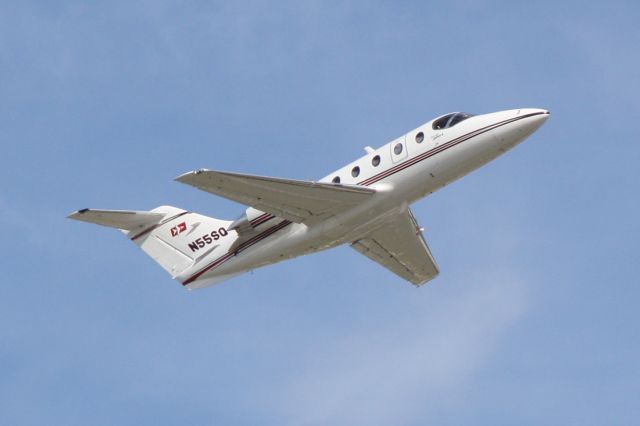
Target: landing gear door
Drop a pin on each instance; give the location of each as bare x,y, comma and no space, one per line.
398,149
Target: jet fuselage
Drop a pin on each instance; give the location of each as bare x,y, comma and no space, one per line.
401,172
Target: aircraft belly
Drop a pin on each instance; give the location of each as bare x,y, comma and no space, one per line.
284,244
300,239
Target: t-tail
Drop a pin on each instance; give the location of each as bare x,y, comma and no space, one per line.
177,239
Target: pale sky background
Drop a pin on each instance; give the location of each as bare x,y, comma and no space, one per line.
533,320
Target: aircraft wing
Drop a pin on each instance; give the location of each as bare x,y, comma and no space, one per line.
400,247
294,200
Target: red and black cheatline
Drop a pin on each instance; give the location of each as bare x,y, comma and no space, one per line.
263,218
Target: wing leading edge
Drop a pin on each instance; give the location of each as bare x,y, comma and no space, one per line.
295,200
400,247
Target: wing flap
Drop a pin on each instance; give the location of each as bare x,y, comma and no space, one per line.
400,247
294,200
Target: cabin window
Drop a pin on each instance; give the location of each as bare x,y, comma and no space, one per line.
441,123
458,118
398,148
336,179
450,120
419,137
355,171
375,161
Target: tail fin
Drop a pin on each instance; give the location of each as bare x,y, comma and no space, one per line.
167,234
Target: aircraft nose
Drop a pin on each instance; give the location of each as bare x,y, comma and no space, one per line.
526,121
533,119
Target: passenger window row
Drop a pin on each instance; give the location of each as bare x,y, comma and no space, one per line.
375,161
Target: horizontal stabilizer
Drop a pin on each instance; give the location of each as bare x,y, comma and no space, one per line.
294,200
121,219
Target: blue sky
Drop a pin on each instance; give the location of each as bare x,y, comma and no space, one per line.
534,317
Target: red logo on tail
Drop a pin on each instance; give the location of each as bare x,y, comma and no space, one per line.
178,229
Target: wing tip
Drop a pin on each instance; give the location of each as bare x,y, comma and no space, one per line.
421,282
184,178
75,214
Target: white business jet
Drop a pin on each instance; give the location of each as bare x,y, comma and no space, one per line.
364,204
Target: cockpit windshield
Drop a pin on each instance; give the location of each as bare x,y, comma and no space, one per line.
450,120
